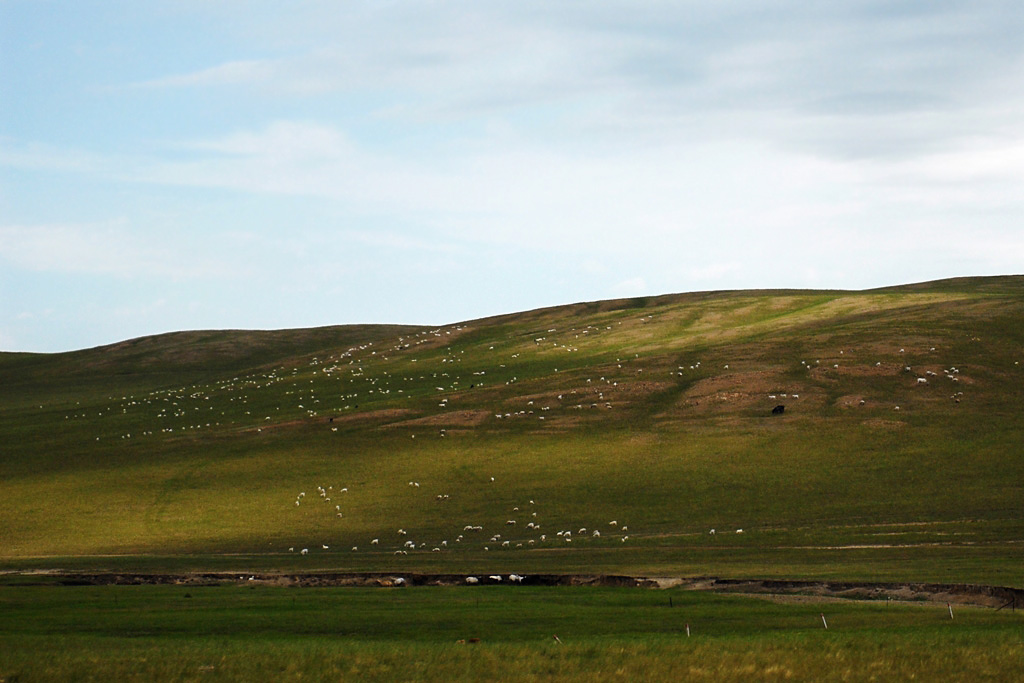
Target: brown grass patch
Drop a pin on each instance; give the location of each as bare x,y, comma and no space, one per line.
746,391
850,401
269,426
879,423
384,414
759,382
638,388
872,370
451,418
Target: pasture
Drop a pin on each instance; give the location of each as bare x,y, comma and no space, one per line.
249,633
633,437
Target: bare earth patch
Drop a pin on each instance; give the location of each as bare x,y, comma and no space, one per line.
775,589
383,414
746,391
879,423
850,401
452,418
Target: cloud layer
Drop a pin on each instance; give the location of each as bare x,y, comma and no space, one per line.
511,154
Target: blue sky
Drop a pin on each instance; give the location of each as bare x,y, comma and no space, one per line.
194,165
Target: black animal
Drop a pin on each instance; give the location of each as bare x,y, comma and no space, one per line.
779,409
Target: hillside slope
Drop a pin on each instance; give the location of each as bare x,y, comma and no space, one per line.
647,420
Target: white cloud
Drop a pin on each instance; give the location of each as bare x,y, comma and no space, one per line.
237,72
725,144
36,156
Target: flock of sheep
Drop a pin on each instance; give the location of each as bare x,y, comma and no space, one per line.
331,387
507,536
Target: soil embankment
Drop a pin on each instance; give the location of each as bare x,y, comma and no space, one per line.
968,594
964,594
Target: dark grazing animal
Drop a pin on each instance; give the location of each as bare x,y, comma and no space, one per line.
779,409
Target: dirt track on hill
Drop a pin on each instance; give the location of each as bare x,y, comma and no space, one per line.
998,597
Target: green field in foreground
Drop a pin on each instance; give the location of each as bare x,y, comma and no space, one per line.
244,633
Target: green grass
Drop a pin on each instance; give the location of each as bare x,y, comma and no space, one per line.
190,449
186,453
267,633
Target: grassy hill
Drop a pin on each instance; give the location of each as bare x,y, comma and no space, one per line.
648,420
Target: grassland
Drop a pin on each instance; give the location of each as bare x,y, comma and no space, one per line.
244,633
655,413
192,452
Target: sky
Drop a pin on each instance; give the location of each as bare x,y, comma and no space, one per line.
180,165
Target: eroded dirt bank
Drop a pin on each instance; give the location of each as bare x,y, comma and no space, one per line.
989,596
964,594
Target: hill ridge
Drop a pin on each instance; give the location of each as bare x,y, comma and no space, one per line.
895,447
